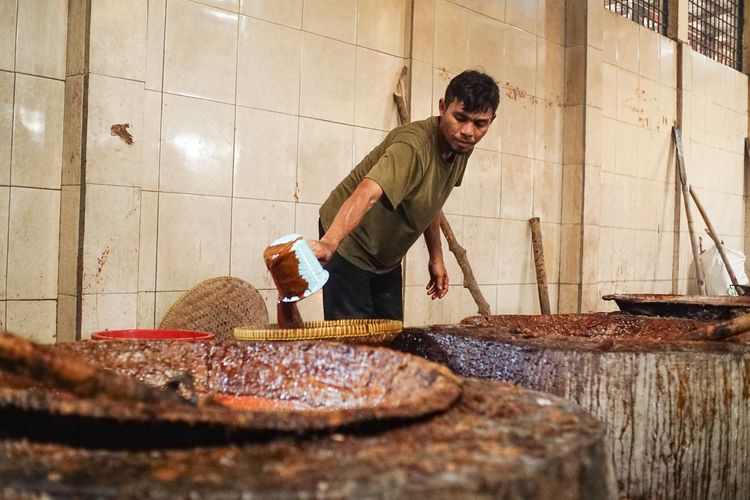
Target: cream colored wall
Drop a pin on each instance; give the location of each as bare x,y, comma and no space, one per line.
245,114
639,75
637,207
243,128
516,171
32,88
715,117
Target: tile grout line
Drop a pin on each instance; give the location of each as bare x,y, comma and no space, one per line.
234,142
158,168
295,194
407,62
82,173
10,174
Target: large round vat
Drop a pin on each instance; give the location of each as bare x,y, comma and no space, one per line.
494,440
677,413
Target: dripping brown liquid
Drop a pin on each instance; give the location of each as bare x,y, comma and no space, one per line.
288,316
281,261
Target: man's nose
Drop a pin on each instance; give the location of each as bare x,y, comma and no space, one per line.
467,131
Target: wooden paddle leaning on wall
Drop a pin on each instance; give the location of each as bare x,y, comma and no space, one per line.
714,236
677,134
541,272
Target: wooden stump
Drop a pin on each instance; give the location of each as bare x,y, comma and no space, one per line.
677,414
497,441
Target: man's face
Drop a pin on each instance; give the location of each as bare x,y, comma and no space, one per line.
461,129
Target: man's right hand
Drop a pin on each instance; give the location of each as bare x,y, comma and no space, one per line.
322,250
355,207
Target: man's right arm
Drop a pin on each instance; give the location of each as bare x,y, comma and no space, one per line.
350,214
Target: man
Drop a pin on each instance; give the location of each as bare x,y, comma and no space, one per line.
394,195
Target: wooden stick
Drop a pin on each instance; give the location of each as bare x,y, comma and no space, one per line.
686,201
541,273
400,96
720,331
470,282
74,374
712,233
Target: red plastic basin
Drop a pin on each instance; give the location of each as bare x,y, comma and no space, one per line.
143,334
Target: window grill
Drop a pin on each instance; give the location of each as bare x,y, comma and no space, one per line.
649,13
715,30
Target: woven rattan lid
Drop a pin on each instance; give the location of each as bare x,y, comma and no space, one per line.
365,331
217,305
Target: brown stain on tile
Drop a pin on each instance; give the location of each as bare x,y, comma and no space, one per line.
121,130
101,261
514,92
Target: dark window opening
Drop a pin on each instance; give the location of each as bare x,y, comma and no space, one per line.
649,13
715,30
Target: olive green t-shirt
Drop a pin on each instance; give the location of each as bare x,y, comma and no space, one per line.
416,182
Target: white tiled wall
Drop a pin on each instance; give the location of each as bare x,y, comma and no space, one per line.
639,69
637,159
244,114
258,125
516,171
32,94
715,131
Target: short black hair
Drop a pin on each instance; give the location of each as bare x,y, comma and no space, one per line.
477,91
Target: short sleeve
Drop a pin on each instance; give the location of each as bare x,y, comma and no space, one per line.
460,177
397,172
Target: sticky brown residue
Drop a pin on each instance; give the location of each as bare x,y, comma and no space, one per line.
636,109
281,261
101,261
514,92
121,130
444,75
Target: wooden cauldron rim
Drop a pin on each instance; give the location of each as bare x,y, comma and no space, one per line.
712,300
390,384
497,334
498,441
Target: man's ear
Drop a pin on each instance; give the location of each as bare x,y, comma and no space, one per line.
494,115
441,105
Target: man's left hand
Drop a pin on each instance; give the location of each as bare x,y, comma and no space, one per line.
438,285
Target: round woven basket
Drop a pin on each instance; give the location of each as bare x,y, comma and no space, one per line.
351,331
217,305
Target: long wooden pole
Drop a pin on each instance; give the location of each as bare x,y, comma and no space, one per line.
714,236
541,272
469,282
720,331
688,214
74,374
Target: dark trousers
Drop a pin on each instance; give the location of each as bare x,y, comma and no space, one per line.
352,292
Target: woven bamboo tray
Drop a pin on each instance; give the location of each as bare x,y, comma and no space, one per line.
353,331
217,305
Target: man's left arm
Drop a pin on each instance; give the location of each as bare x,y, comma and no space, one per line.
438,285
